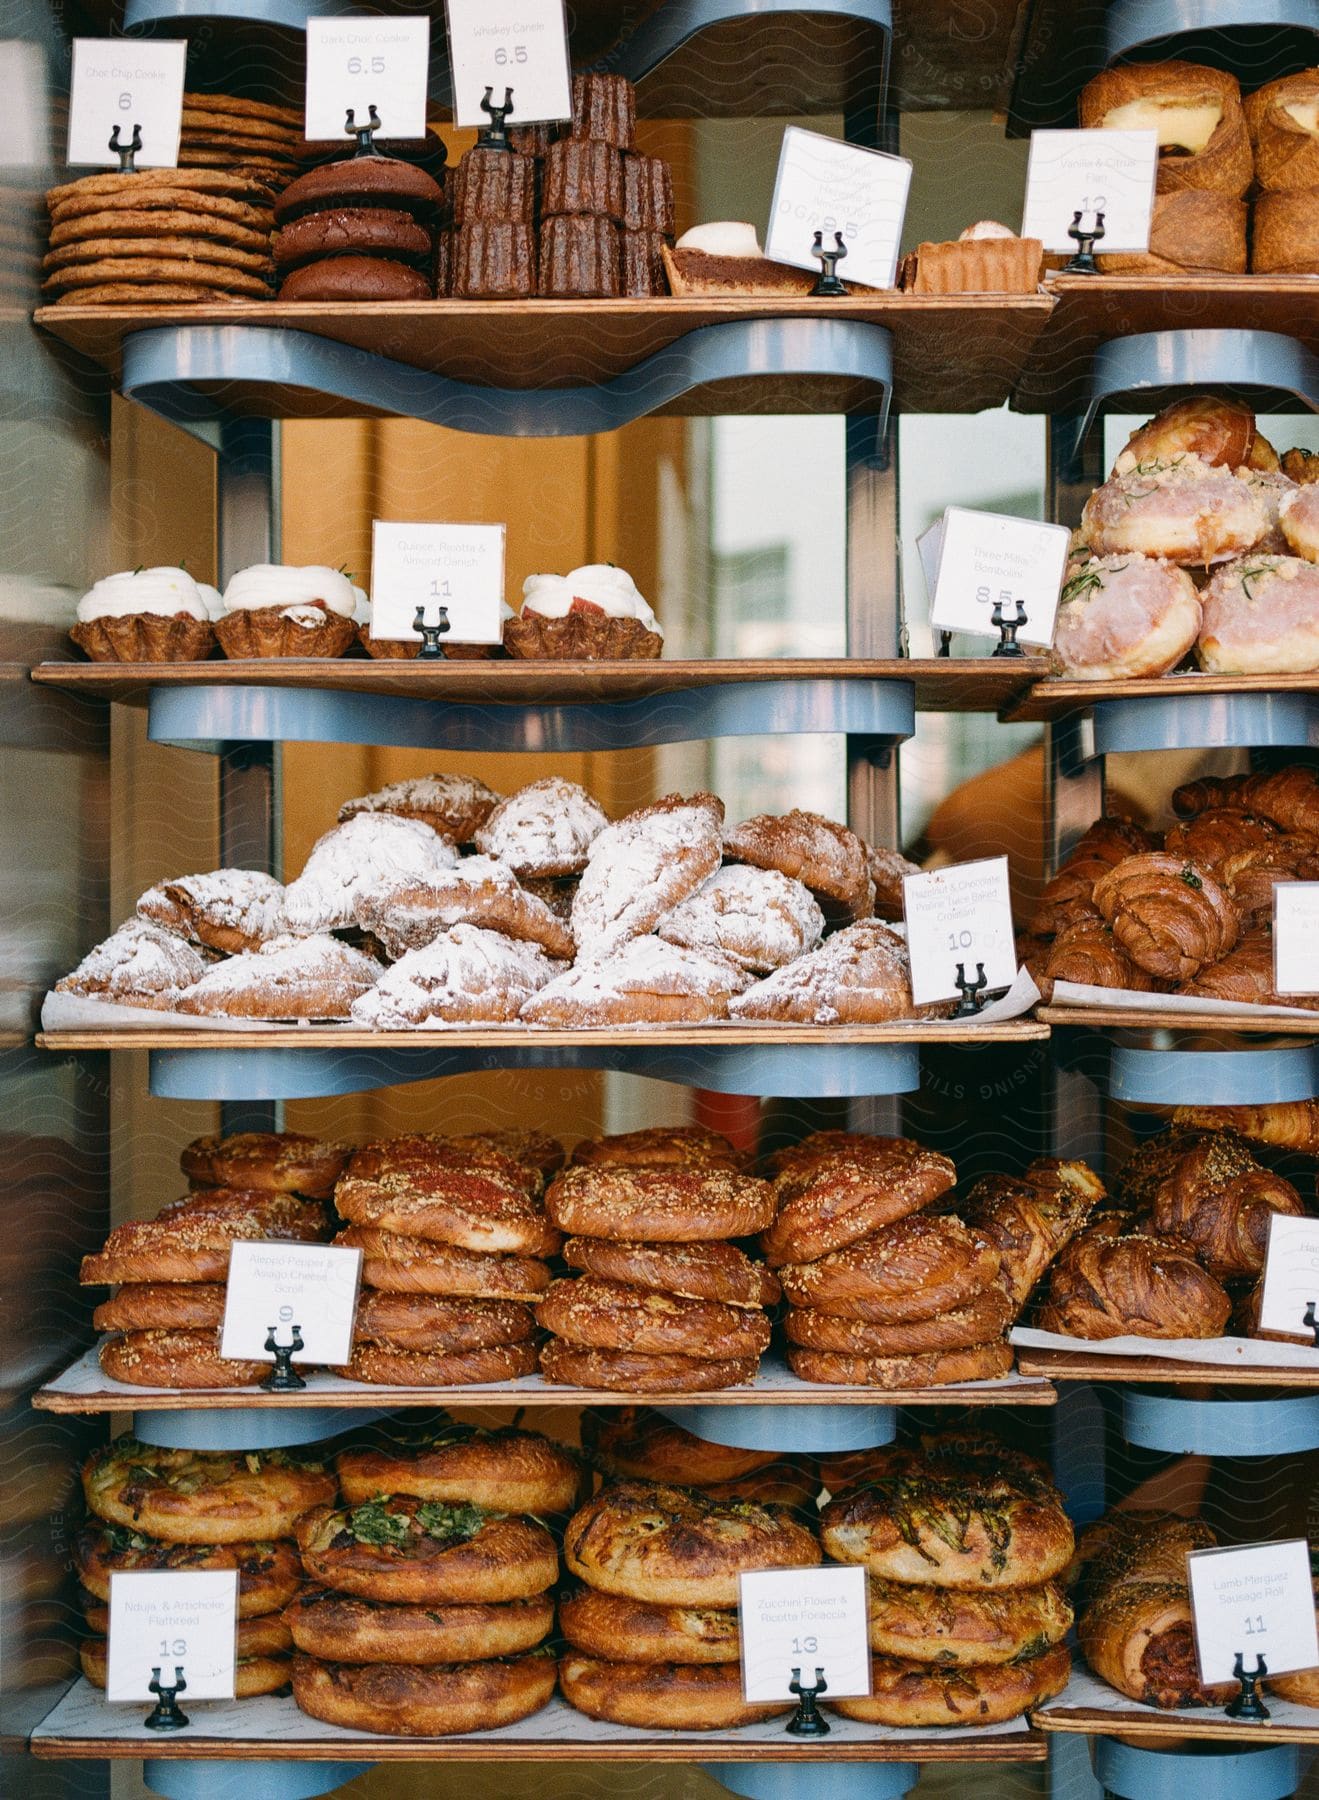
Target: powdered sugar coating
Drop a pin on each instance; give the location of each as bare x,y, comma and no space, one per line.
645,981
230,909
546,828
365,853
858,976
641,868
759,918
481,890
454,805
288,978
466,974
141,964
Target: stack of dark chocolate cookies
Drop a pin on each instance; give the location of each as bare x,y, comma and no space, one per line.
362,228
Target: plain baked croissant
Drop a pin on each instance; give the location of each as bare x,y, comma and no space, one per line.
1086,951
1212,836
1170,916
1067,895
1215,1197
1288,1124
1030,1217
1107,1285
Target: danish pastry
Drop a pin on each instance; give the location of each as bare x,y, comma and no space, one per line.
1029,1218
642,867
955,1627
466,975
543,830
688,1146
1195,111
456,806
757,918
1250,876
983,1320
1212,836
368,851
175,1359
439,1323
190,1242
163,1306
1219,1199
480,891
428,1152
229,909
826,857
316,977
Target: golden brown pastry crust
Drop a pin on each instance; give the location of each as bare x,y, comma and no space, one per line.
581,637
1251,875
145,638
1211,836
454,805
283,1161
623,1630
431,1152
439,1323
1301,1687
1245,975
820,853
1170,916
1106,1284
189,1241
1286,154
671,1546
176,1359
1086,951
980,1533
1217,1198
915,1694
637,1441
983,1320
610,1315
267,631
506,1470
163,1306
253,1675
269,1573
640,1372
659,1205
936,1368
413,914
385,1366
397,1264
922,1266
859,976
472,1208
957,1626
1138,1636
1287,1124
401,1701
1219,431
1029,1218
1192,232
839,1201
655,1146
346,1628
202,1497
709,1271
445,1555
1225,164
672,1696
229,910
641,867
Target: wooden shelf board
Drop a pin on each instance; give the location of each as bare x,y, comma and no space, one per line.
1082,1365
1219,1025
83,1724
952,353
522,1037
84,1389
1089,1706
1052,698
1090,309
959,684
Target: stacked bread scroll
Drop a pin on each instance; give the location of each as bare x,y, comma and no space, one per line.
170,1271
964,1544
1189,911
1202,540
158,1510
883,1292
652,1627
432,1598
664,1301
453,1232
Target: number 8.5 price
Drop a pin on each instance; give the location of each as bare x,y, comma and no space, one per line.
366,65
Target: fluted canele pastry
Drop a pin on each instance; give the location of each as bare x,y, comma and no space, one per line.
604,108
583,177
493,261
580,257
1196,112
1112,1283
492,187
642,265
647,195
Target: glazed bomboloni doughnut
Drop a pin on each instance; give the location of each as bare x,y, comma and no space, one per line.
474,1208
420,1552
1261,616
673,1547
506,1470
203,1497
610,1315
953,1532
679,1696
839,1201
283,1161
1125,615
1182,509
824,856
441,1701
659,1205
345,1628
691,1271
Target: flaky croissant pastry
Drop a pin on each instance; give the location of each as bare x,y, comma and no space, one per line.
1107,1285
1218,1199
1170,916
1030,1217
1288,1124
1086,952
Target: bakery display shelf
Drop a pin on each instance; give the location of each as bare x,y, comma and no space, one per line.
1054,697
1094,1366
1178,1029
82,1388
716,1035
1168,1068
942,684
502,362
83,1724
1090,310
1089,1706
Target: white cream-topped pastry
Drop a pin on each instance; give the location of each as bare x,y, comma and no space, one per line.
984,228
165,591
212,600
282,585
361,606
598,586
724,237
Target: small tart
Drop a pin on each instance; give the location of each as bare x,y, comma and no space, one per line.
399,1547
621,1630
505,1469
587,635
401,1701
145,638
302,631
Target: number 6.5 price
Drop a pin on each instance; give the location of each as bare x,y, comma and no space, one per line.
504,56
366,65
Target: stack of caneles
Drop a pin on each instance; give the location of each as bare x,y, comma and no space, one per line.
653,1626
362,228
636,1443
664,1301
963,1542
171,1270
453,1231
155,1510
883,1292
433,1585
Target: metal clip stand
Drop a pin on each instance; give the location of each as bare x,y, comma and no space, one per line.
1248,1704
494,136
1083,262
430,634
1007,629
127,152
808,1720
829,287
166,1714
283,1378
1310,1320
945,644
972,992
365,134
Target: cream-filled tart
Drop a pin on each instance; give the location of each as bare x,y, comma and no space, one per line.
145,615
593,614
274,609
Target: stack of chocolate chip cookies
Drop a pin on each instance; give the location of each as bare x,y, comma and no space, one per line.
665,1303
453,1233
221,131
159,237
362,228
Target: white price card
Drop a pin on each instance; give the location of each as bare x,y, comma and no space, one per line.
126,82
1253,1601
993,559
459,567
959,915
280,1284
518,44
1296,937
170,1620
827,186
804,1619
1291,1275
1111,172
360,63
